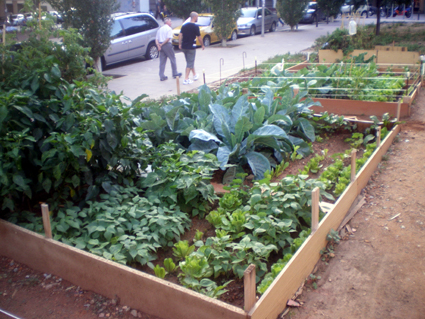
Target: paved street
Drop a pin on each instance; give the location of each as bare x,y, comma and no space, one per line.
137,77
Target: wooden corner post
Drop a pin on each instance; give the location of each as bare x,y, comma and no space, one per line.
178,84
398,109
315,209
353,165
378,136
46,220
249,288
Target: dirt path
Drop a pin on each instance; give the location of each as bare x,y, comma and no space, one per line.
379,270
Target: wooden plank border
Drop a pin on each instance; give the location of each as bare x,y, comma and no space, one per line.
274,300
136,289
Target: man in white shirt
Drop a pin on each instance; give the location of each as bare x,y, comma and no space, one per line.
163,42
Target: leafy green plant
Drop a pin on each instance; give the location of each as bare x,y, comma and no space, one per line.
198,235
181,178
159,271
329,251
169,265
123,226
195,266
182,249
313,164
357,139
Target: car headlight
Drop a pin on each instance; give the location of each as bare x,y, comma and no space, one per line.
243,26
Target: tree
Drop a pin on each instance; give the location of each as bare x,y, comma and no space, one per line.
331,8
291,11
226,13
92,19
183,8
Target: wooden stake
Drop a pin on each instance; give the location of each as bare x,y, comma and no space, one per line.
178,84
315,209
249,287
378,136
353,165
203,73
46,220
255,66
398,109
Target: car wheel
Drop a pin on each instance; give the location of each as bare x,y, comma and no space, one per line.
252,31
364,13
207,41
234,35
152,51
273,27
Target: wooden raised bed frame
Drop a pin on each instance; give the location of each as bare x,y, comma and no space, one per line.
167,300
364,108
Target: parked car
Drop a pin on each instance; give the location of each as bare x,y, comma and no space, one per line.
28,17
206,27
249,23
17,19
366,10
311,12
347,7
57,16
133,35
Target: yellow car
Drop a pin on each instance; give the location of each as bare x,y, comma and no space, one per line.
206,27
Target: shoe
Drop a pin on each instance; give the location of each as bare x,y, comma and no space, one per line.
195,77
187,82
164,78
177,75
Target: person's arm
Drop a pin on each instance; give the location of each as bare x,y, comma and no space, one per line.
200,41
180,40
158,45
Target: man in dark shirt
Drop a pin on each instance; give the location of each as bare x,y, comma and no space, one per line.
188,33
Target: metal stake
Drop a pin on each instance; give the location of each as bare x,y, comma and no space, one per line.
221,63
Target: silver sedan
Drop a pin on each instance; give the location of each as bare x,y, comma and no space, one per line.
249,23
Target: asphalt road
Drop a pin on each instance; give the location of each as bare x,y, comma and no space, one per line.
138,77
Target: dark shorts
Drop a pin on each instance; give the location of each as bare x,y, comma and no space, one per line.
189,54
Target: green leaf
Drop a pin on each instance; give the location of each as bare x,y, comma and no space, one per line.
47,184
259,115
3,113
112,140
19,180
307,128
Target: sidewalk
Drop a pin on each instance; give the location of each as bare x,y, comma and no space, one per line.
136,78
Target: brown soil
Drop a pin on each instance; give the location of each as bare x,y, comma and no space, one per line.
378,270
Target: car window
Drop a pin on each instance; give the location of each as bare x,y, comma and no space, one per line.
203,21
152,24
117,30
248,13
267,12
133,25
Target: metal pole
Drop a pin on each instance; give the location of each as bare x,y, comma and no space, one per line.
221,63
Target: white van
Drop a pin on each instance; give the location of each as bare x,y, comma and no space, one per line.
133,35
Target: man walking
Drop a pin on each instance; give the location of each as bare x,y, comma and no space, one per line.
188,33
163,42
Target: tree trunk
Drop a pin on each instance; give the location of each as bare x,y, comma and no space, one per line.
224,42
378,16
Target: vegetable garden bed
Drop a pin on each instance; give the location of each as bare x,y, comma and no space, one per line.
167,300
354,88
